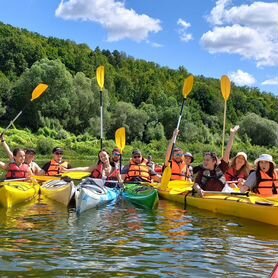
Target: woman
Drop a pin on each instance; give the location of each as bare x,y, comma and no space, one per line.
17,169
264,180
103,170
239,170
211,177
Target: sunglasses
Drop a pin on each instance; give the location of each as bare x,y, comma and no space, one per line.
116,154
136,156
59,153
178,154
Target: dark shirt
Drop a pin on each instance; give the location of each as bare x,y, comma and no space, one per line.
213,183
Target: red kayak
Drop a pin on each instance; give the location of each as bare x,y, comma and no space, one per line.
274,273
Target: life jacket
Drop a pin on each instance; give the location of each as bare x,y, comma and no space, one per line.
54,167
97,173
233,175
267,185
206,177
138,171
17,172
179,171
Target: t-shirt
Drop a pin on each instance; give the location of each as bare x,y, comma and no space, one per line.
213,183
251,181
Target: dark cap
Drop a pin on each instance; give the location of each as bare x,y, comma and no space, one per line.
30,151
176,149
136,152
116,150
188,154
57,149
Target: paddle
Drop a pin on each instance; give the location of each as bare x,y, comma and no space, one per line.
120,142
226,91
71,175
37,92
167,173
176,191
100,81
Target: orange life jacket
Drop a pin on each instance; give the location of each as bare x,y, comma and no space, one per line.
233,175
179,171
97,173
267,185
54,167
141,171
17,172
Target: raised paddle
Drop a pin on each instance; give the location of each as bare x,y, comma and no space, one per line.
100,81
167,173
37,92
226,91
120,139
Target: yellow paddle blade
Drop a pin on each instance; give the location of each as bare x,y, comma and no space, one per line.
225,87
38,91
76,175
187,85
176,191
100,77
166,176
120,138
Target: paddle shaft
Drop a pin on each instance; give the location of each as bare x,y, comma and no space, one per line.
101,119
224,127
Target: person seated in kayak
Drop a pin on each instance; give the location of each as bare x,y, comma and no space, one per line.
103,169
211,177
238,170
30,156
17,169
188,159
264,180
174,157
150,163
138,170
115,158
57,165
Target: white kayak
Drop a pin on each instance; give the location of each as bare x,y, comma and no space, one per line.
59,190
93,193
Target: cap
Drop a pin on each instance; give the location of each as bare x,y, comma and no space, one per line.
136,152
30,151
189,155
116,150
57,149
265,157
176,149
242,154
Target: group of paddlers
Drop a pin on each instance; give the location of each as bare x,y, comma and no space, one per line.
213,175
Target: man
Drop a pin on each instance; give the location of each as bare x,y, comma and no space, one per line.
188,159
138,170
57,165
115,158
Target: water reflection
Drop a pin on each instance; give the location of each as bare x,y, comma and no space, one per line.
44,238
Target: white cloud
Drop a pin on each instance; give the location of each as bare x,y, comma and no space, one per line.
247,30
183,26
120,22
273,81
242,78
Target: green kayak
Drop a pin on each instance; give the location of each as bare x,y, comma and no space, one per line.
141,195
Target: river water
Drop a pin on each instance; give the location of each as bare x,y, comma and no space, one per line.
46,239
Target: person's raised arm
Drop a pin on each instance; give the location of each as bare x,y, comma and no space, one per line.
170,147
6,148
228,149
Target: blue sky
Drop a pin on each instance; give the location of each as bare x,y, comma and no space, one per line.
234,37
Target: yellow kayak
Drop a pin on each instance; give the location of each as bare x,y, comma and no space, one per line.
15,192
249,207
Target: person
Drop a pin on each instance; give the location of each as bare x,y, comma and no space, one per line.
211,177
17,169
138,170
180,170
115,158
188,159
103,169
30,156
150,163
238,170
57,165
264,180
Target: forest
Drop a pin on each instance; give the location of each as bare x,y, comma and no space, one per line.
141,96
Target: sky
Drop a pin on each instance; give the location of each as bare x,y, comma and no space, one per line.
238,38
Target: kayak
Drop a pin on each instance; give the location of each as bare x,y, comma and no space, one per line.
141,195
249,207
16,192
59,190
93,193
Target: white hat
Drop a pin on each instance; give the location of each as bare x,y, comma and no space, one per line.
242,154
265,157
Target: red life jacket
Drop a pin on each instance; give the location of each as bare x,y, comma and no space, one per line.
97,173
179,171
17,172
233,175
267,186
141,171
